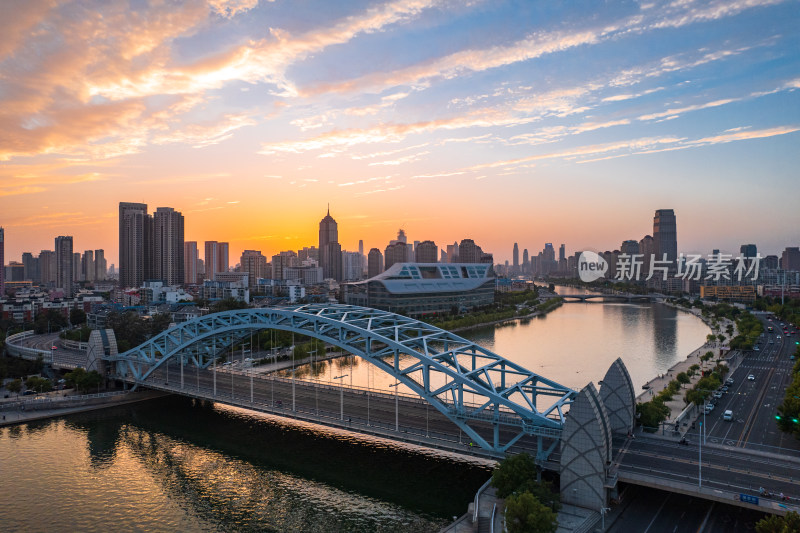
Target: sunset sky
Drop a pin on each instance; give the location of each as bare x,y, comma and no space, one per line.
529,121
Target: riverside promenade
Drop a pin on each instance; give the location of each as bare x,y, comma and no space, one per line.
677,405
21,410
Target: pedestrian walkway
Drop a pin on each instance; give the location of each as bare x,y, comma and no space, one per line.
21,415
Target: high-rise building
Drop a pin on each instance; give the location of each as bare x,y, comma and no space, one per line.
307,253
77,272
2,262
562,253
168,246
427,252
64,264
47,268
665,236
361,247
282,261
100,266
790,259
211,258
526,263
31,265
352,266
647,248
135,244
771,262
330,251
629,247
469,252
452,253
223,257
397,252
515,259
375,263
748,250
191,256
255,264
87,265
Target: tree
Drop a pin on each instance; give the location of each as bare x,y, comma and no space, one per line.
526,514
39,384
14,386
77,317
683,378
711,338
82,380
512,473
779,524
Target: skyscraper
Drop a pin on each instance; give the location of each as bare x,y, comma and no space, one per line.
515,256
211,259
665,236
748,250
135,248
31,267
190,257
2,263
526,263
168,246
47,267
255,264
397,252
100,266
375,263
64,262
330,251
427,252
469,252
223,257
87,265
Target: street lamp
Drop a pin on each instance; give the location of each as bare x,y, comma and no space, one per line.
396,409
341,395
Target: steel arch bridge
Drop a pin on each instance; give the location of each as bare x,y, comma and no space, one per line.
436,364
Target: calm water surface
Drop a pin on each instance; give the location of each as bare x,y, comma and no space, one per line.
179,465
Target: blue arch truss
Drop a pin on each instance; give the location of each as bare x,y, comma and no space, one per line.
443,368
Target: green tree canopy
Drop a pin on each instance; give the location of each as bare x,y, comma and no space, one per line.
512,473
779,524
525,514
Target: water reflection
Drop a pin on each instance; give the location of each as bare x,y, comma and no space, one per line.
178,464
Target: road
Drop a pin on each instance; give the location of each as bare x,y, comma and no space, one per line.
754,403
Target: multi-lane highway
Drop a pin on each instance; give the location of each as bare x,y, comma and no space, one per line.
754,401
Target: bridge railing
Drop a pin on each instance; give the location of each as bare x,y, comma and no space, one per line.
506,416
454,442
32,354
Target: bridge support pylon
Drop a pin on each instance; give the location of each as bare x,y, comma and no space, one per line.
616,391
102,344
586,452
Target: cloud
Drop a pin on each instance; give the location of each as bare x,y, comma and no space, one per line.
680,110
230,8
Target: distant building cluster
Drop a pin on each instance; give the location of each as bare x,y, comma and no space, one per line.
655,263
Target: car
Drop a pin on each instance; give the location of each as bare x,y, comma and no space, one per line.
756,349
729,381
751,377
724,388
709,407
778,337
727,415
717,395
54,347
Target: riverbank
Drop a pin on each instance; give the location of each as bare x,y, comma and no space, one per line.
677,405
503,321
24,411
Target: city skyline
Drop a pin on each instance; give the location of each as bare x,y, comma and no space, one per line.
512,122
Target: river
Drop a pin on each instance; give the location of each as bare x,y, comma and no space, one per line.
180,465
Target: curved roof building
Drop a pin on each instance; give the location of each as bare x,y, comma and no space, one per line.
416,289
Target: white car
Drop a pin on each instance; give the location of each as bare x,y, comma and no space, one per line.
751,377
